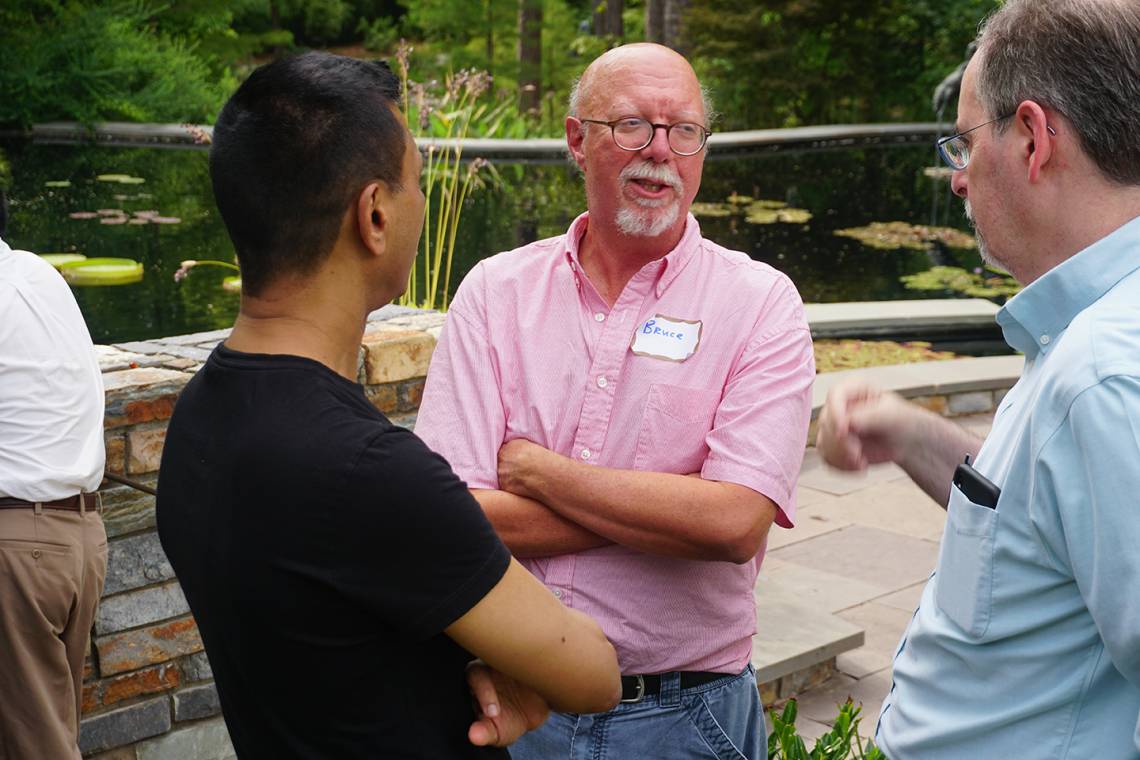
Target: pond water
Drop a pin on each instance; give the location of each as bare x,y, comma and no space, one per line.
839,189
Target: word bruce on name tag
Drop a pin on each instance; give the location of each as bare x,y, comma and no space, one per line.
662,337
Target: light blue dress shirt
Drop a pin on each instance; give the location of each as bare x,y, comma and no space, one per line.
1026,643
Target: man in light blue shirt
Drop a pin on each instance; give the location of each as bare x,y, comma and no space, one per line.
1027,640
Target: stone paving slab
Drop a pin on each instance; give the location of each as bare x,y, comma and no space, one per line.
809,524
818,588
822,704
793,636
905,599
882,629
817,475
875,557
898,506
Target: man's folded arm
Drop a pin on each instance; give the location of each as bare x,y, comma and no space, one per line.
521,630
658,513
531,529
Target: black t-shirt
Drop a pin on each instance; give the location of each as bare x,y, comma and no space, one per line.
322,550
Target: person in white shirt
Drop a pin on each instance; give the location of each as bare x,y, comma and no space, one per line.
53,548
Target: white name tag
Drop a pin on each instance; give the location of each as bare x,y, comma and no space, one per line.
666,338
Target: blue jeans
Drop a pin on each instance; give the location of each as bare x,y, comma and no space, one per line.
720,720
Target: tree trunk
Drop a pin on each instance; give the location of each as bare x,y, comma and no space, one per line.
655,21
674,31
607,19
490,4
530,56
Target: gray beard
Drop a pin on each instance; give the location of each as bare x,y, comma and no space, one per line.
643,223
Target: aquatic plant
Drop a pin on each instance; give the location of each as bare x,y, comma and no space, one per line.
836,355
978,283
916,237
754,211
448,115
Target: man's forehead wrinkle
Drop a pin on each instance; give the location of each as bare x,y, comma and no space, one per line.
625,90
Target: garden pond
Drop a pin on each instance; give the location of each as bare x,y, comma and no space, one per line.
808,213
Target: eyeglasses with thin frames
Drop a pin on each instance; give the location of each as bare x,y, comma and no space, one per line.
955,150
634,133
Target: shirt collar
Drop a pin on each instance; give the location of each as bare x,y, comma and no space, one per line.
1032,320
669,266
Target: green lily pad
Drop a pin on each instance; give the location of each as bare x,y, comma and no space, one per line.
916,237
58,183
739,200
231,284
767,212
58,259
976,284
102,271
712,209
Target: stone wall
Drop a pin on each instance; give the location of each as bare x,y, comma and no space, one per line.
148,689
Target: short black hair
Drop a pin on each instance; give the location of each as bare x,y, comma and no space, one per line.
291,150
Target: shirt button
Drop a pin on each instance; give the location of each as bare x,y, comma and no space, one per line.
599,317
602,382
1044,340
558,593
36,553
585,453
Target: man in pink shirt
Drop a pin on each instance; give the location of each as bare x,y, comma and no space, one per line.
629,404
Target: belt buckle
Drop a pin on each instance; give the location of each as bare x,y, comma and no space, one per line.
640,691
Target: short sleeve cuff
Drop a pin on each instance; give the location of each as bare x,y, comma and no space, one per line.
773,487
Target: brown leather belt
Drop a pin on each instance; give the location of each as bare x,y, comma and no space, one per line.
77,503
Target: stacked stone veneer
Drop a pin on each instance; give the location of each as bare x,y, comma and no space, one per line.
148,689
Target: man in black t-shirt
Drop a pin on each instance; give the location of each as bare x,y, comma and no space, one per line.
341,575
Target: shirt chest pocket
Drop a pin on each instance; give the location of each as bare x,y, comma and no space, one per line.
673,429
965,573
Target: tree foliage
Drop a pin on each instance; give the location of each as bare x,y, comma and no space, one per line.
769,63
785,63
101,61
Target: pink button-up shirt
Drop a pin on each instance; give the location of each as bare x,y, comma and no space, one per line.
530,350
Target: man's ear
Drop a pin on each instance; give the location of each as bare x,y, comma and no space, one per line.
372,218
1037,136
575,137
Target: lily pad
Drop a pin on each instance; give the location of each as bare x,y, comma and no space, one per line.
113,220
164,219
977,284
712,209
231,284
766,214
835,355
916,237
58,259
739,200
82,215
102,271
58,183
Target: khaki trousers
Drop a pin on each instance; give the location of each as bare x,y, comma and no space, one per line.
52,566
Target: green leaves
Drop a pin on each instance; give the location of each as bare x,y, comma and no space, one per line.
840,743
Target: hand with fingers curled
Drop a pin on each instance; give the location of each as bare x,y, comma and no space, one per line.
861,425
505,708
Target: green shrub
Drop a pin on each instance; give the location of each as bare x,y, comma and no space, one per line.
73,61
840,743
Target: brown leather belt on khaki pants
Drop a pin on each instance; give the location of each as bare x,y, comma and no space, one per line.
78,503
